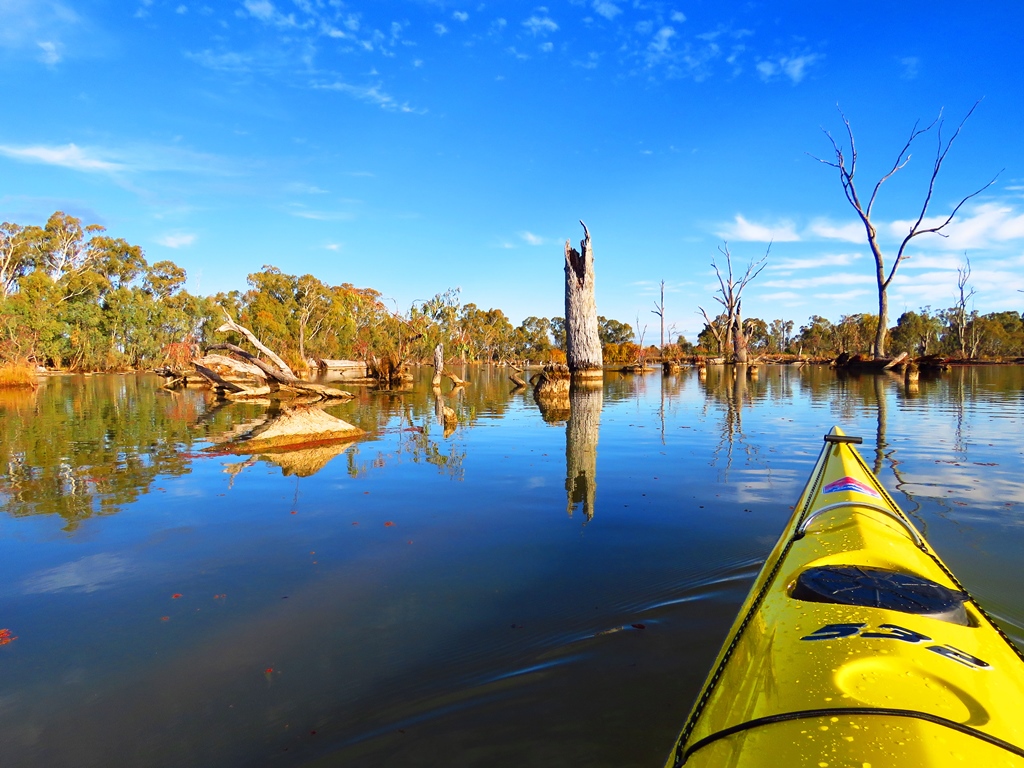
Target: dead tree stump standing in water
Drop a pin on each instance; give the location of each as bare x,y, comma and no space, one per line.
582,341
438,364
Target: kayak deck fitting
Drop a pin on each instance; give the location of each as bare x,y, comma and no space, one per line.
857,647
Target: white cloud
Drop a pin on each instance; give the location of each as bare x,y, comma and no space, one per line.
678,17
837,297
43,31
229,61
50,54
784,296
460,16
531,239
607,9
368,93
911,67
547,47
660,44
540,25
850,233
982,226
440,29
67,156
304,213
181,10
333,247
793,67
298,187
262,9
783,231
176,240
825,260
833,278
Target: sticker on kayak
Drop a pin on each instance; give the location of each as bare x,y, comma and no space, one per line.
850,484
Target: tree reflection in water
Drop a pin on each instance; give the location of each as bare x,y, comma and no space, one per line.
81,446
581,432
728,385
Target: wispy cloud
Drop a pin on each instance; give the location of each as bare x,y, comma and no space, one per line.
43,31
820,261
87,574
372,94
531,239
228,61
852,232
66,156
460,16
911,67
782,231
981,226
50,52
302,212
176,240
299,188
833,278
793,67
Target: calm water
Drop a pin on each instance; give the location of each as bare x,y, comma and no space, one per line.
539,587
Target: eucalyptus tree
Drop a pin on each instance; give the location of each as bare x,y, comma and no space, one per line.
846,165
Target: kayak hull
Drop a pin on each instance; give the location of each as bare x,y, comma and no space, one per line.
856,645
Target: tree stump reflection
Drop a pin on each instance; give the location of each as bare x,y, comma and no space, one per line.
581,448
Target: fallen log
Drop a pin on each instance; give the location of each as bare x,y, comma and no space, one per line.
285,381
231,325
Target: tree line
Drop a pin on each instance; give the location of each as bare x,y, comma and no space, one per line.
949,333
75,298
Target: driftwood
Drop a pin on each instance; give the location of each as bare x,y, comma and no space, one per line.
456,381
286,382
866,364
216,379
293,427
231,325
517,379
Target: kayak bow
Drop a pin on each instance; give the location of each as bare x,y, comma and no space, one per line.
857,647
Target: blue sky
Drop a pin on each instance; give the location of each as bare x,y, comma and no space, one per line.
416,146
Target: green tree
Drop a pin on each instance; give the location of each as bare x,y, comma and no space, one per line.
916,333
817,337
611,331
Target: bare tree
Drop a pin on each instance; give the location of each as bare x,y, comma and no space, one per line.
966,293
659,310
847,167
732,298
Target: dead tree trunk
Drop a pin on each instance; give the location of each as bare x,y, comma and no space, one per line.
231,325
582,340
438,364
739,338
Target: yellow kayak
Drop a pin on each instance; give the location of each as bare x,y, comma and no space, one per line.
857,647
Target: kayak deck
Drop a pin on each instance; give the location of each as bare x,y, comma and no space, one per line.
856,644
